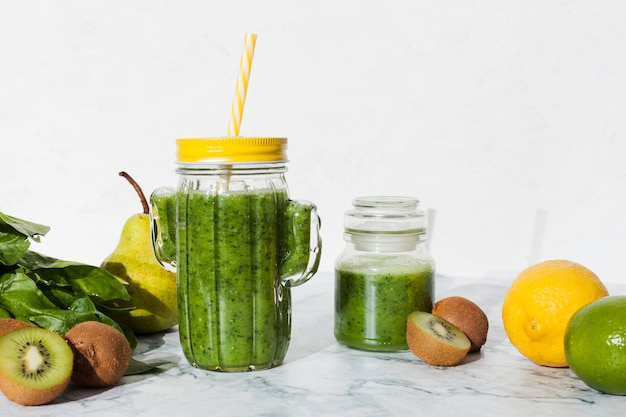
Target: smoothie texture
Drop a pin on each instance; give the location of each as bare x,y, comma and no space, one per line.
164,225
238,245
234,306
373,298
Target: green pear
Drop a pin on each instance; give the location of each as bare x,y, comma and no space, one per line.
152,288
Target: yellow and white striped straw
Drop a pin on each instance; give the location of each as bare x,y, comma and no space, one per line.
245,66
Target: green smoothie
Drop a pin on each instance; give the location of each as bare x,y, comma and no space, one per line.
235,310
164,203
372,304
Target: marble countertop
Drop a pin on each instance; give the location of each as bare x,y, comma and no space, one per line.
321,378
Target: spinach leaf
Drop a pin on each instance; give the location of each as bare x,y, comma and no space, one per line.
26,228
137,367
53,293
12,245
14,235
20,295
82,279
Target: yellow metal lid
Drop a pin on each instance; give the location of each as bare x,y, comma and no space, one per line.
232,149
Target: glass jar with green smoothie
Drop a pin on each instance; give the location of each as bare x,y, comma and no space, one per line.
383,274
238,244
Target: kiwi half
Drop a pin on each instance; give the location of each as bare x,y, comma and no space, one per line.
102,354
467,316
9,324
435,340
35,365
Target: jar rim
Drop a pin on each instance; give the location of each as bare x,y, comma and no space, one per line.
383,202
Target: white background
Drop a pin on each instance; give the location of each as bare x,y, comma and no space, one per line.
505,118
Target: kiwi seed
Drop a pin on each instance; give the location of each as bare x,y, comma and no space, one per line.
35,365
435,340
465,315
102,354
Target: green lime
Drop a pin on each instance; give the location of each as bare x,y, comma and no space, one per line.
595,344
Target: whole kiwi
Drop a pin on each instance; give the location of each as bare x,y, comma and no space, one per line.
467,316
101,354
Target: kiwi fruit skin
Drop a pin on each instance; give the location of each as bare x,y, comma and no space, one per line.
9,324
23,390
435,340
467,316
102,354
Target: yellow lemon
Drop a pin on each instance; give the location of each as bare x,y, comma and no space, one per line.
539,304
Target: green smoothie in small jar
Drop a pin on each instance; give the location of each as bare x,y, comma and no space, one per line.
383,274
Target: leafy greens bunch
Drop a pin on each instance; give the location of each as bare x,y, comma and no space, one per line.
52,293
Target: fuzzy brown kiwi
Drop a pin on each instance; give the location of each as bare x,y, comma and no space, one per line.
8,325
434,340
35,365
101,354
467,316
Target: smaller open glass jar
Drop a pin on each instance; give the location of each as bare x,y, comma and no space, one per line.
383,274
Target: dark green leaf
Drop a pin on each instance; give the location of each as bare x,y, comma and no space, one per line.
33,260
60,321
83,279
20,295
61,297
14,235
52,293
12,245
25,228
137,367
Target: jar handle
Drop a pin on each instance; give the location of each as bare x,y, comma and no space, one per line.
303,241
163,226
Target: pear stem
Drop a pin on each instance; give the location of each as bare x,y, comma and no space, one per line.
137,188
